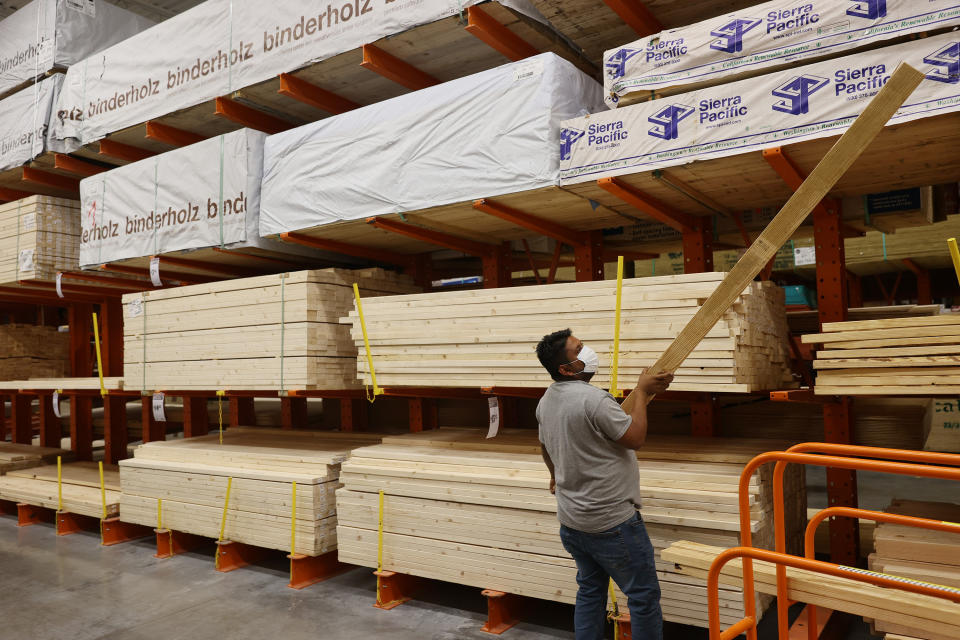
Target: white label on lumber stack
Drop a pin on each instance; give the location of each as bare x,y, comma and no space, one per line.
135,307
28,222
56,404
155,271
494,405
158,413
802,103
86,7
766,35
803,256
25,261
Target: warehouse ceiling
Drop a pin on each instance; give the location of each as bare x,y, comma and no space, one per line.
158,10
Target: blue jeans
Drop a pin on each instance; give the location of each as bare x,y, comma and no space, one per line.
625,554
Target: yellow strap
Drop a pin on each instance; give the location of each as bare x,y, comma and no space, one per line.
379,543
220,395
615,610
159,514
293,520
366,343
223,522
96,339
955,254
59,486
614,365
103,492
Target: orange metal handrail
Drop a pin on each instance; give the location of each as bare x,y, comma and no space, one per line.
797,455
748,623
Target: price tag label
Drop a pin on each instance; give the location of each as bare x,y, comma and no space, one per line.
56,403
158,413
155,271
135,307
494,405
803,256
25,261
29,222
87,7
59,284
530,69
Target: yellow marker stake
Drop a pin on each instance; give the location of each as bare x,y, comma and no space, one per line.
379,545
220,395
59,486
614,365
293,521
955,254
366,343
96,340
159,514
614,610
223,522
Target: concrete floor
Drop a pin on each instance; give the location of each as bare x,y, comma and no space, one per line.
71,587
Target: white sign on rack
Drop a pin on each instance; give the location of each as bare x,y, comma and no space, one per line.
494,405
155,271
59,284
158,413
56,404
803,256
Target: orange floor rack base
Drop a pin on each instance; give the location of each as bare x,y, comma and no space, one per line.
502,609
171,543
69,523
622,622
234,555
308,570
113,531
28,514
393,589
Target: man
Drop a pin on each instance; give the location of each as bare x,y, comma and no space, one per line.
588,445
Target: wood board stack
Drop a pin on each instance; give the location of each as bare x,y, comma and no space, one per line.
462,509
15,456
488,337
917,554
39,236
190,476
904,356
939,617
33,351
81,488
809,321
268,332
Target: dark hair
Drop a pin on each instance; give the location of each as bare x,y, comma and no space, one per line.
552,352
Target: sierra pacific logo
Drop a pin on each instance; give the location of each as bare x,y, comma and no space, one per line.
796,93
731,34
567,138
869,9
665,122
616,65
947,61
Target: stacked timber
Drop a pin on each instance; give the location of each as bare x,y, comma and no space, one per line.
15,456
488,337
33,351
39,236
269,332
893,356
890,608
460,508
81,488
191,477
917,554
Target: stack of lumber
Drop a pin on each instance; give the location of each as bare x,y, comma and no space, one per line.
809,321
23,456
488,337
892,608
190,476
81,488
917,554
267,332
30,350
893,356
39,236
479,512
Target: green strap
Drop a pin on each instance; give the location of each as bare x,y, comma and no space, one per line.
220,204
156,189
16,259
883,238
143,308
283,278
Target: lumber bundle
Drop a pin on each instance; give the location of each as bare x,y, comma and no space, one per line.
941,425
268,332
30,350
488,337
39,236
190,476
809,321
15,456
81,488
893,356
479,512
896,609
917,554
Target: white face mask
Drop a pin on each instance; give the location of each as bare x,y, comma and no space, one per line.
589,358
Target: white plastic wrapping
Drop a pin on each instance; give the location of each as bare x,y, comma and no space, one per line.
58,33
203,195
25,123
803,103
491,133
766,35
221,46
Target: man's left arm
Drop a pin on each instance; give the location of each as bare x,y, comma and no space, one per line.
549,463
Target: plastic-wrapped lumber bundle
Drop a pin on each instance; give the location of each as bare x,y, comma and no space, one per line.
39,236
487,337
268,332
25,118
460,508
81,488
29,351
190,477
916,356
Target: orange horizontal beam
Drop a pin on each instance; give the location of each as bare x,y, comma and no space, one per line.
680,221
393,68
68,163
109,292
121,151
145,273
94,277
28,296
209,267
636,15
499,37
430,236
13,194
781,163
48,179
255,256
250,117
530,222
357,251
307,93
159,132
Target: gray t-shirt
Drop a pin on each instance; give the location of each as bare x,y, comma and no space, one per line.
598,482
